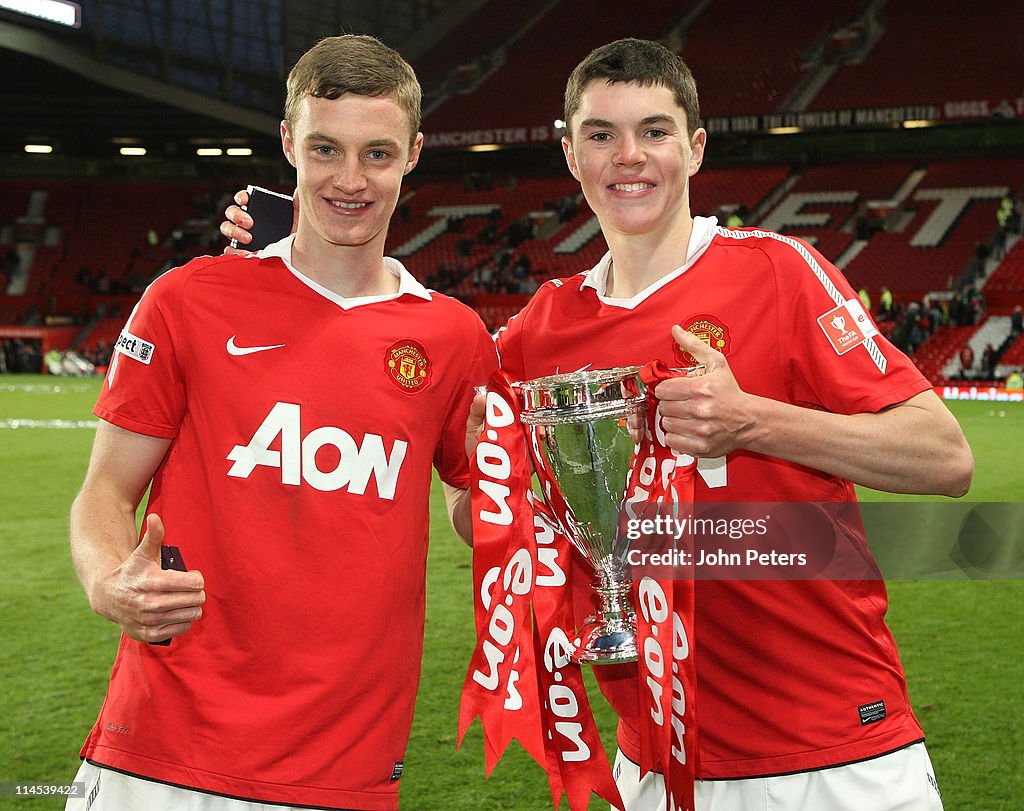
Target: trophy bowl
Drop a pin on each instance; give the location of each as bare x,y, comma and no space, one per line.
581,427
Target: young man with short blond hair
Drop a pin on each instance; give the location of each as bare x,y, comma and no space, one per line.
288,407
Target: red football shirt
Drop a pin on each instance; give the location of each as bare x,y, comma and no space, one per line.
304,429
788,672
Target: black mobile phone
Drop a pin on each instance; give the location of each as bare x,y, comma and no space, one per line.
272,215
170,558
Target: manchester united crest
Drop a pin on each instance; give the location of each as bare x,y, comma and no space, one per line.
408,365
711,330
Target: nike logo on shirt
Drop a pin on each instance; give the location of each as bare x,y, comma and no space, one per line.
247,350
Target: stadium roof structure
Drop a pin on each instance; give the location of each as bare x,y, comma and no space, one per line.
171,76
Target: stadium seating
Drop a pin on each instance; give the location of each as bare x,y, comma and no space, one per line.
1009,275
105,332
766,33
929,250
822,205
925,55
522,92
103,223
939,350
483,31
423,241
1013,358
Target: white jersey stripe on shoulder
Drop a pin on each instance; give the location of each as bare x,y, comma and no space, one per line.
819,273
812,263
876,354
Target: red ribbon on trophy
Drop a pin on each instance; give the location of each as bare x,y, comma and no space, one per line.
504,562
666,672
522,681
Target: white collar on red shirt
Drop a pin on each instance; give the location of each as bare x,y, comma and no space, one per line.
700,237
407,284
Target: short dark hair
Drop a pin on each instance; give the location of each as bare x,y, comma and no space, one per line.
640,61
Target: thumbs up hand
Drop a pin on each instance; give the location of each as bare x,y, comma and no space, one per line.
149,603
705,413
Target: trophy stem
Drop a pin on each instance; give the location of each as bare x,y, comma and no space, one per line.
609,637
614,593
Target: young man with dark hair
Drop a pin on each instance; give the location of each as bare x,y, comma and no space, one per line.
801,699
287,408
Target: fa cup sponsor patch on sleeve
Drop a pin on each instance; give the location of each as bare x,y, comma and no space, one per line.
847,326
134,347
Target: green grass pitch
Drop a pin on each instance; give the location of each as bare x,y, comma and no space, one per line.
960,639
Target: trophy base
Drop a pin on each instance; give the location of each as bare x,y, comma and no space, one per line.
606,643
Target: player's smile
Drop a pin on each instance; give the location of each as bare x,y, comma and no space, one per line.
346,206
632,190
631,187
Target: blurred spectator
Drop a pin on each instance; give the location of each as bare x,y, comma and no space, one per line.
22,356
966,362
101,283
975,268
734,219
8,266
938,315
865,298
567,208
972,306
1016,321
1014,381
988,362
885,304
1004,221
916,327
84,276
136,282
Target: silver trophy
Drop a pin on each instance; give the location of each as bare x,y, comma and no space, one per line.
582,427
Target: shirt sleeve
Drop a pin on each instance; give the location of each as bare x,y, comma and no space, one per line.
144,390
450,457
836,357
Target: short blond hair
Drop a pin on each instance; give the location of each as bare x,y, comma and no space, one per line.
359,64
